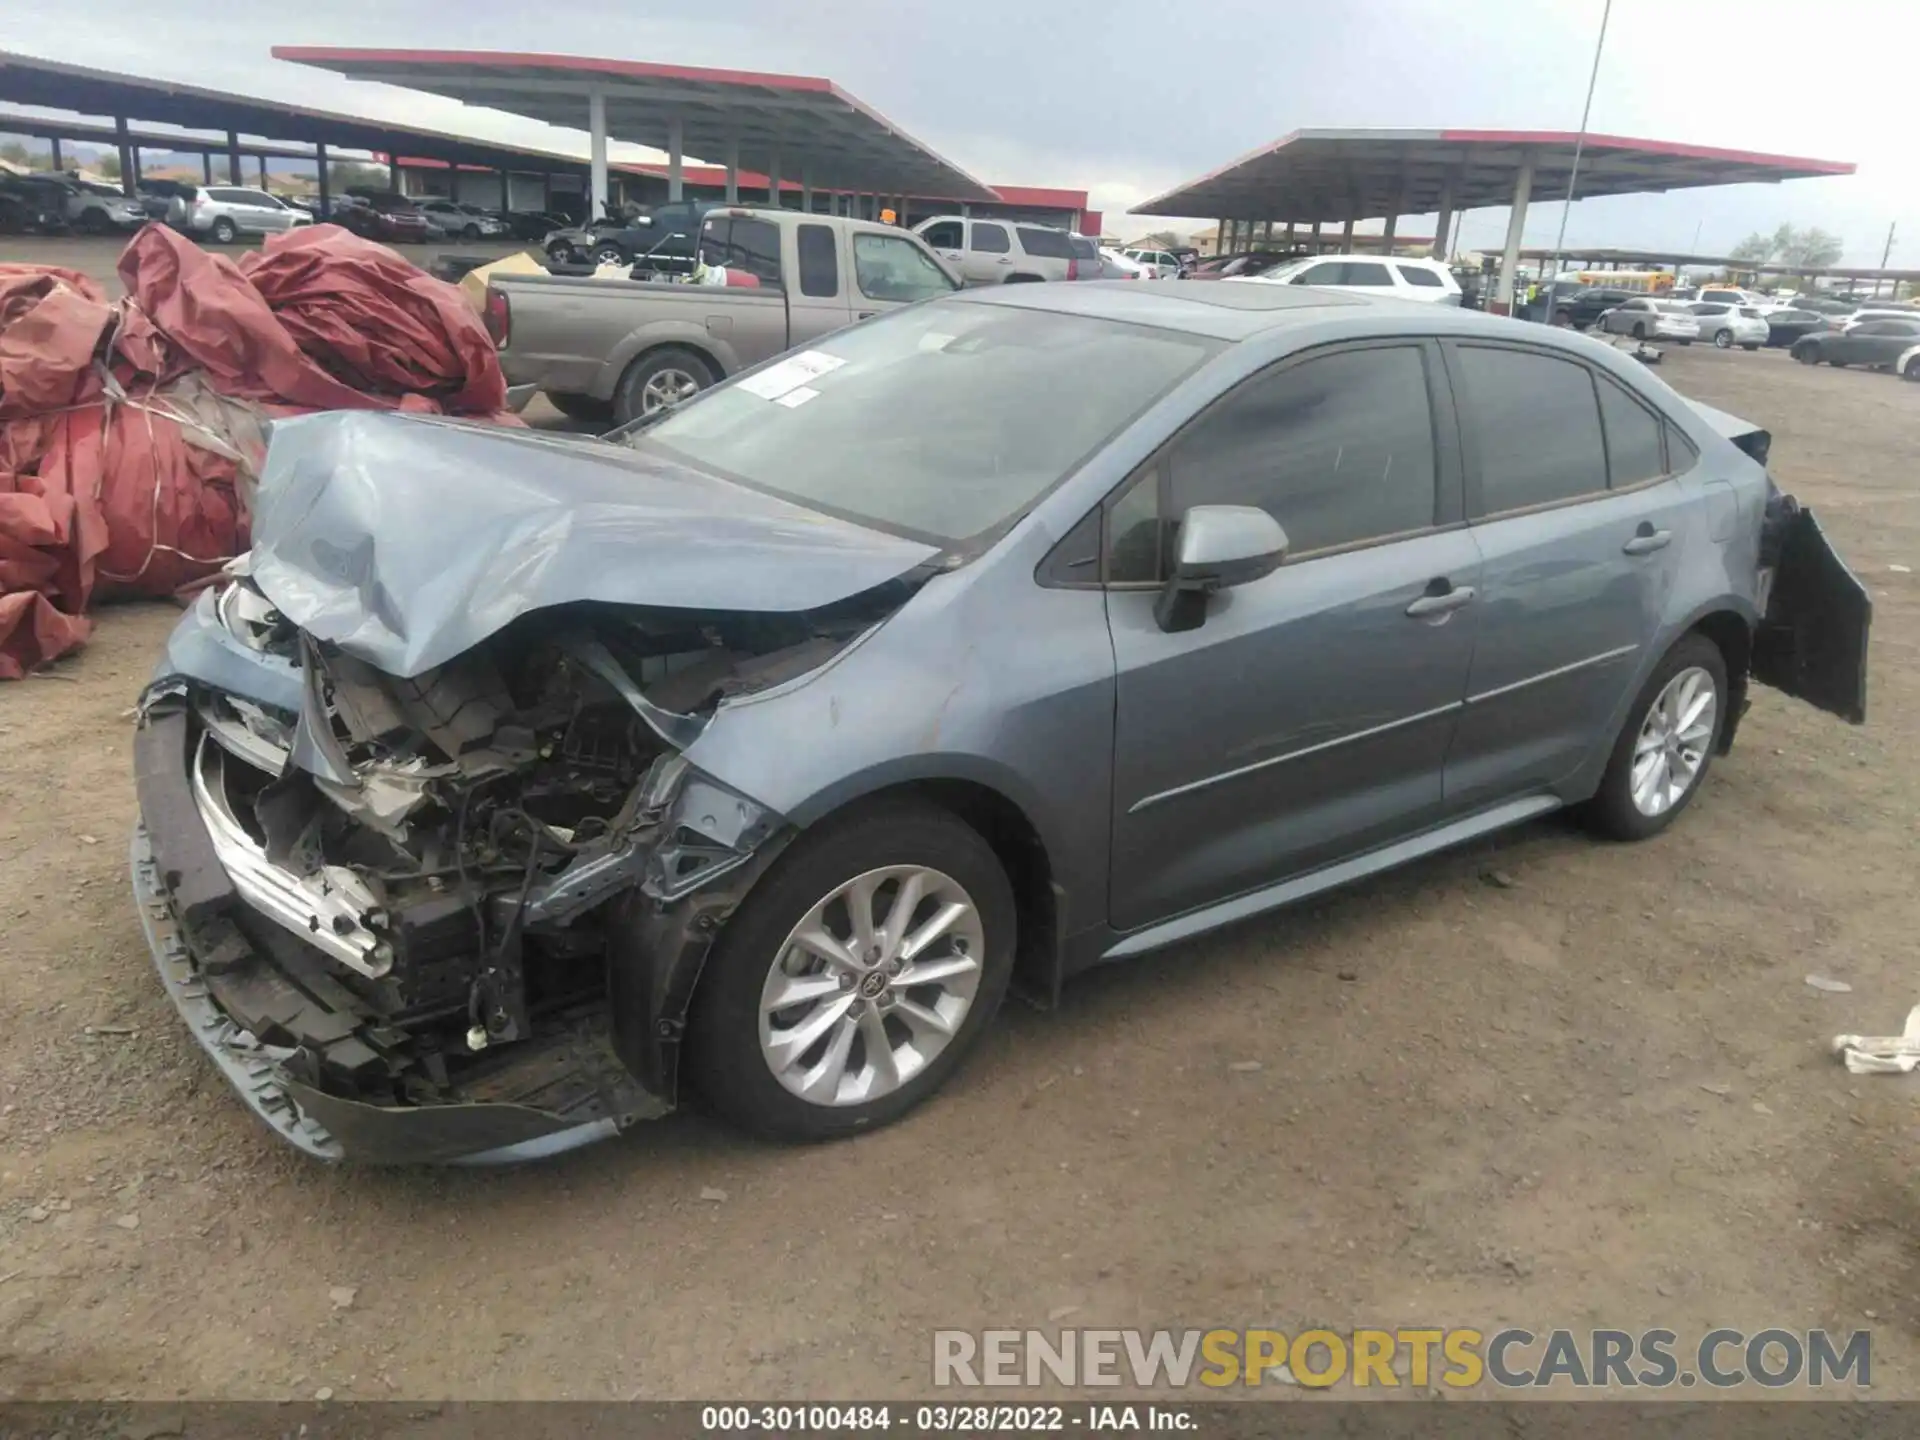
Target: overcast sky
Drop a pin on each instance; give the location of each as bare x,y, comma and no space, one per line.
1129,98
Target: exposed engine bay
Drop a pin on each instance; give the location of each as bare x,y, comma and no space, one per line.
493,882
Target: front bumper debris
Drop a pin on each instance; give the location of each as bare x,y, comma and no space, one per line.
270,1007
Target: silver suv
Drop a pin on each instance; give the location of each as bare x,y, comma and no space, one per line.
998,252
223,213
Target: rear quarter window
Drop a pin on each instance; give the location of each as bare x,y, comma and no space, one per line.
1414,275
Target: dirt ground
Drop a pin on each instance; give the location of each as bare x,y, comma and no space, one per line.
1591,1089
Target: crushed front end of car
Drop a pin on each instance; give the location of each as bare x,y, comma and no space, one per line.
456,913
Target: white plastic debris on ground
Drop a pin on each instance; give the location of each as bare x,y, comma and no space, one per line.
1882,1054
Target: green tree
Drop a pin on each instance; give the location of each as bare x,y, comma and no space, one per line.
1756,249
1810,249
1160,240
14,152
343,175
108,165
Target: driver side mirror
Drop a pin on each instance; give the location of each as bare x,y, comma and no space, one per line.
1220,546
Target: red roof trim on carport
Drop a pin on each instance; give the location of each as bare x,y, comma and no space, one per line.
584,64
1041,197
1653,147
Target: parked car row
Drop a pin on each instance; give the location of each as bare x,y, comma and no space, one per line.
54,204
1889,343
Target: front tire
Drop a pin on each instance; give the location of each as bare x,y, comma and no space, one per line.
1663,752
610,255
811,1023
1912,371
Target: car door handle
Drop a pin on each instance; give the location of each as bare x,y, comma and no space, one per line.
1646,540
1443,603
1004,260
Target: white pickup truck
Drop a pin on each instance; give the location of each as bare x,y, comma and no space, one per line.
622,348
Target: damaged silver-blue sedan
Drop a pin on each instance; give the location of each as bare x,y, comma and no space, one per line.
515,779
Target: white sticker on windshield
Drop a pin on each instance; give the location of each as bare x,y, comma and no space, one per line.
794,399
933,340
791,373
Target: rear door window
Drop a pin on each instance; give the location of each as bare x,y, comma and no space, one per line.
819,261
1328,272
1366,272
988,239
1534,425
947,235
1049,244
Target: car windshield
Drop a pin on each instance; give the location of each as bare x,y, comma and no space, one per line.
942,421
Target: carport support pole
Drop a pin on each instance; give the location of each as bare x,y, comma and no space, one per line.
129,168
233,158
55,142
733,172
320,167
506,191
773,181
597,153
1439,251
1346,236
1516,223
206,168
1316,237
263,171
1386,238
676,158
806,187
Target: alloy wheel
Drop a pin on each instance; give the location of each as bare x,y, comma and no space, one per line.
667,387
1674,740
871,985
1723,339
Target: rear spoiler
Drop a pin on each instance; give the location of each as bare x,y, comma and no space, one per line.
1745,435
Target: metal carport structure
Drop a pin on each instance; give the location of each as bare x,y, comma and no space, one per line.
779,125
53,85
1318,177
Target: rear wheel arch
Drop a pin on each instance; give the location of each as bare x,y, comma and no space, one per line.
624,409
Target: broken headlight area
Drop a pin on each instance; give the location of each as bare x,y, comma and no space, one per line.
423,868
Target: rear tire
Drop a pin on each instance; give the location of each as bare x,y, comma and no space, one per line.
1723,339
1639,330
728,1060
1912,372
1659,740
225,232
658,379
470,232
610,255
1806,354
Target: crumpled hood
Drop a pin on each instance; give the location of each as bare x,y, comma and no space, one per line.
407,540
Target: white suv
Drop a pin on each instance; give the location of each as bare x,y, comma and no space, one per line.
1424,280
997,252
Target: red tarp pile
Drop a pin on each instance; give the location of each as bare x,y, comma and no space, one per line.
127,428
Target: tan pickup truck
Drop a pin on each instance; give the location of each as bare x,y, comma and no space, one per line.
621,348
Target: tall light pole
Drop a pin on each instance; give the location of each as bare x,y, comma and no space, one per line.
1573,175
